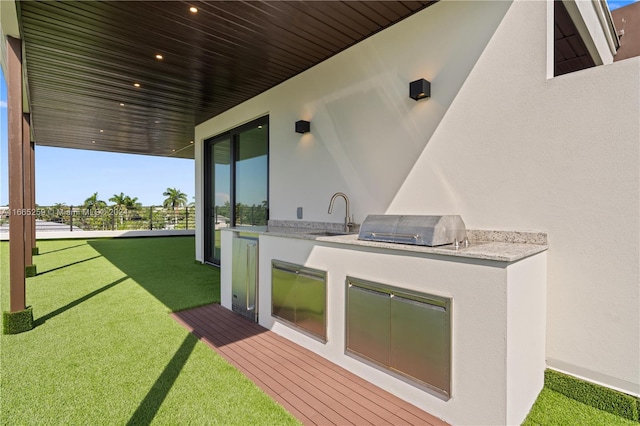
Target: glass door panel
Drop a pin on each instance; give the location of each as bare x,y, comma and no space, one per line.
217,194
236,182
251,171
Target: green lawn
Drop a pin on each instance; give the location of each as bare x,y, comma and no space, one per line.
105,350
555,409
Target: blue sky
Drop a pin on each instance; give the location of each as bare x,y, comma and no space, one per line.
70,175
615,4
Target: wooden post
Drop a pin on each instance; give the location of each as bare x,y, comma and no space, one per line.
29,209
34,246
17,300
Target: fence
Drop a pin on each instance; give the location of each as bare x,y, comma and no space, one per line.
70,218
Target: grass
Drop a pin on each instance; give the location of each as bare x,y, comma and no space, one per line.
600,397
568,400
554,409
104,349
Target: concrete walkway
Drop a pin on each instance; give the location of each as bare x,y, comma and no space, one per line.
65,235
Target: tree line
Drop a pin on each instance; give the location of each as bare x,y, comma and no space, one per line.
124,212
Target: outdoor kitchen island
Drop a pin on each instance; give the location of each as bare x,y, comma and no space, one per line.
490,296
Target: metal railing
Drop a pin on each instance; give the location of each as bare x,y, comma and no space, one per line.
245,215
113,218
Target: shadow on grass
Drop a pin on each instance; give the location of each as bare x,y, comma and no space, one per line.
62,249
76,302
66,266
150,405
164,267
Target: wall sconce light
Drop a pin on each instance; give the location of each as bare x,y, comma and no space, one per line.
303,126
419,89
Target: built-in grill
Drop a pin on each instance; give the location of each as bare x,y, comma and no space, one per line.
414,229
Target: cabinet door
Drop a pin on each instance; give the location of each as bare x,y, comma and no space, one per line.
244,277
252,276
283,297
240,273
310,303
420,340
368,316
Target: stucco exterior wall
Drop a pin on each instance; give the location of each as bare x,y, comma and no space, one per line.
561,156
498,143
366,132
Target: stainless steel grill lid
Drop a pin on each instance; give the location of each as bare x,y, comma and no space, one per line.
413,229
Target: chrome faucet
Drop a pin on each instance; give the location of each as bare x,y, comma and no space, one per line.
348,223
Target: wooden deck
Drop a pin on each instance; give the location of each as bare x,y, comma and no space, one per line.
314,390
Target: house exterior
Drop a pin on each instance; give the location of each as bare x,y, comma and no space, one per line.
505,141
532,125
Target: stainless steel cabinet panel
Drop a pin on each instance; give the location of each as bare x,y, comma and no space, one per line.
420,344
311,301
283,298
368,319
244,277
404,331
299,296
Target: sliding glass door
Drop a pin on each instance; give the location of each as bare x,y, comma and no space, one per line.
236,182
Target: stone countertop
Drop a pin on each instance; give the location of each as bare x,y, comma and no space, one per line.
501,246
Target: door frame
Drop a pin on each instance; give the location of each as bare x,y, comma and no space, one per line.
233,136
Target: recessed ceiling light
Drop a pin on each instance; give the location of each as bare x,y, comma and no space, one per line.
259,127
191,142
136,84
93,141
121,104
101,131
173,150
193,9
159,57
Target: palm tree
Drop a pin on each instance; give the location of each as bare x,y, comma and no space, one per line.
58,210
126,204
131,203
118,200
92,203
175,198
120,203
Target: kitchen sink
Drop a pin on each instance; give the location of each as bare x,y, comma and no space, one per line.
328,233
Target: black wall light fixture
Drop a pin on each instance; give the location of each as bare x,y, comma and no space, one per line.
419,89
303,126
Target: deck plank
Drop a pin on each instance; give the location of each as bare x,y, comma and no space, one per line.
313,389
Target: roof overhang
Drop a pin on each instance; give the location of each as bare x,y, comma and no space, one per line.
595,25
82,59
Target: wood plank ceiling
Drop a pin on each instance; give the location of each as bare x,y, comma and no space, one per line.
84,57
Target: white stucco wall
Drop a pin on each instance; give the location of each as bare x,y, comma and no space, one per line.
366,132
561,156
497,143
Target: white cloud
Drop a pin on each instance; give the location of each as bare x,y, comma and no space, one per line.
3,104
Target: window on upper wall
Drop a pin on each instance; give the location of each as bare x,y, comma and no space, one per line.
570,52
